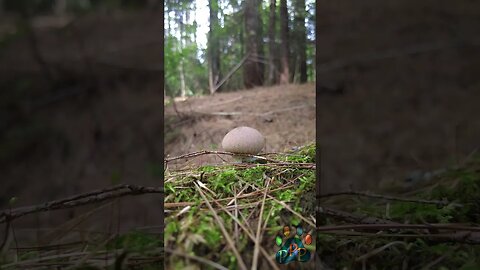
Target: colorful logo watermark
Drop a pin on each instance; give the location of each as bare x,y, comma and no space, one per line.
294,247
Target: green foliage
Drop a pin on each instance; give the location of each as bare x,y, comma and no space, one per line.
182,53
196,231
305,154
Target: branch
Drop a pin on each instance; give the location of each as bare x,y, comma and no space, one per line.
79,200
230,73
391,198
272,162
255,114
452,227
354,218
205,152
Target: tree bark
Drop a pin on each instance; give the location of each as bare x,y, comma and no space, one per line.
183,89
213,47
271,40
284,48
253,72
301,39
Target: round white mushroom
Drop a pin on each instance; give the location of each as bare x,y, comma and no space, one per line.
243,140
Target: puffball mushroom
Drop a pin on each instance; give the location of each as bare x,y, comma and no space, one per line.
243,140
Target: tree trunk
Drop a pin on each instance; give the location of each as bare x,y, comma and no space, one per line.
271,40
253,74
301,39
183,89
213,47
284,48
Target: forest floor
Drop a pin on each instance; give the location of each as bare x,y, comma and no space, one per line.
285,115
411,103
411,89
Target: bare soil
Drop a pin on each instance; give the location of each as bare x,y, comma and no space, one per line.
285,115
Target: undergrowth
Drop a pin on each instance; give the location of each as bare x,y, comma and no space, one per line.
133,250
458,187
190,227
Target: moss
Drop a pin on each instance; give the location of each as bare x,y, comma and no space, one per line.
292,184
455,186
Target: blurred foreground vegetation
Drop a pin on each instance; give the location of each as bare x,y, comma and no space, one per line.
458,188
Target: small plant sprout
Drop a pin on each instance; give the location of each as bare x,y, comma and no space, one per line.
243,140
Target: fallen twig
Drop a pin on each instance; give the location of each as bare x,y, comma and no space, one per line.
241,263
378,250
354,218
205,152
249,233
258,237
390,198
79,200
196,258
256,114
460,237
382,227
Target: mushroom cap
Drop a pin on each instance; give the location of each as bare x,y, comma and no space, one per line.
243,140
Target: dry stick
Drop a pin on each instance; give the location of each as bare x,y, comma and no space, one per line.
461,237
387,197
294,212
286,206
27,262
251,194
234,200
378,250
249,234
398,226
221,103
50,247
441,258
259,229
310,166
222,228
245,220
205,152
199,259
255,114
91,253
354,218
266,220
230,73
79,200
236,210
59,232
